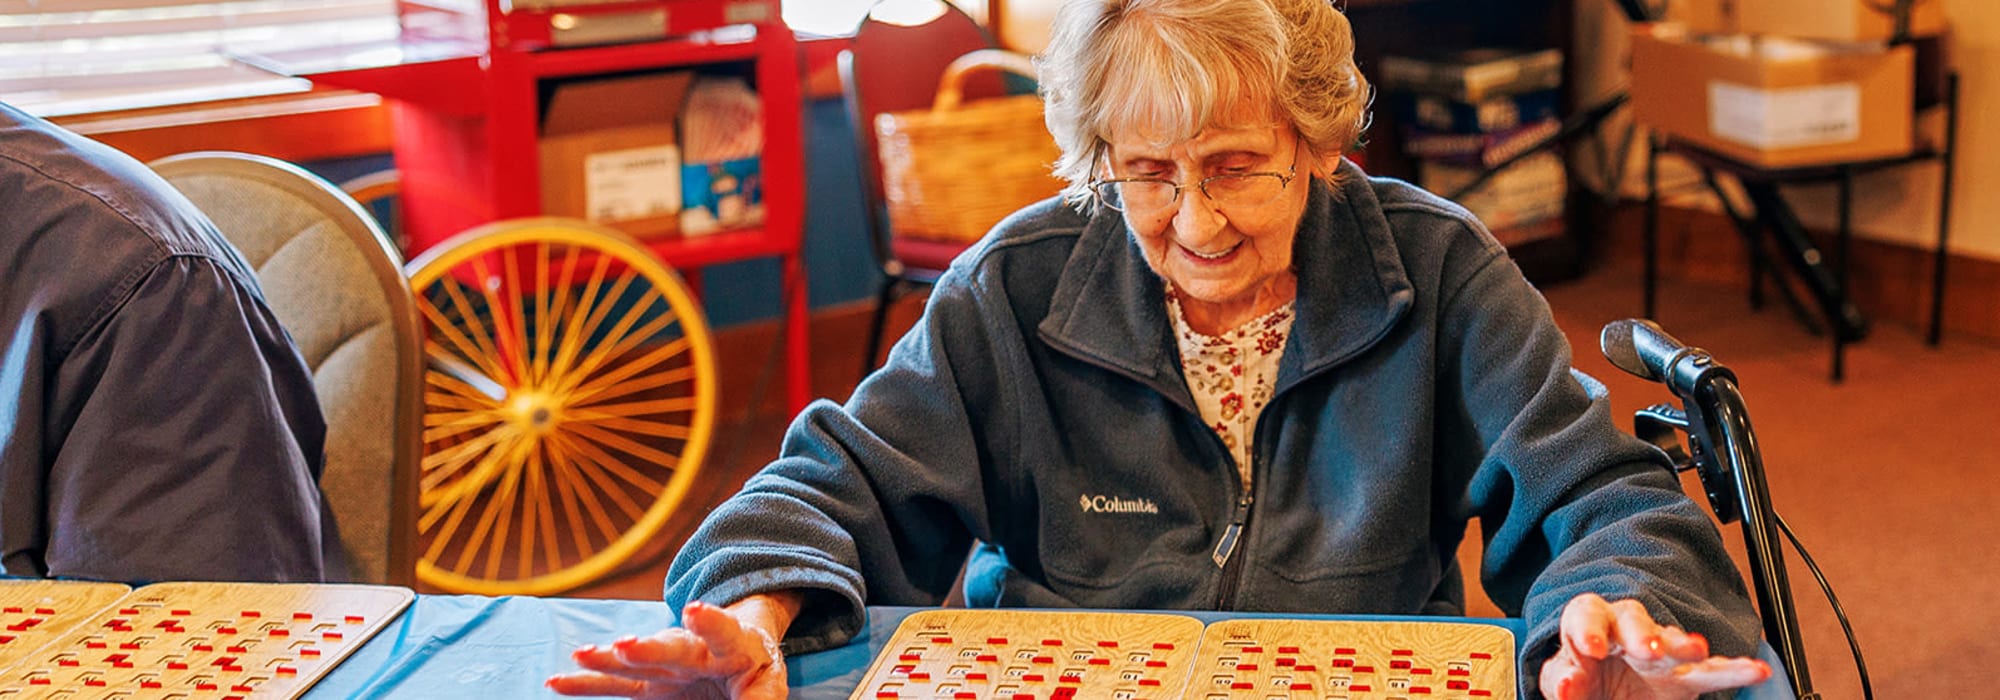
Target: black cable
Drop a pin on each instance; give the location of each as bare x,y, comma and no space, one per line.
1860,665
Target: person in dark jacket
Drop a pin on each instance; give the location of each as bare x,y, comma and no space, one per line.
156,423
1227,370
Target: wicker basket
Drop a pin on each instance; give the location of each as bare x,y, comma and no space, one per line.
954,171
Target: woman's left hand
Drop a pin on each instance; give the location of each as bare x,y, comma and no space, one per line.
1615,651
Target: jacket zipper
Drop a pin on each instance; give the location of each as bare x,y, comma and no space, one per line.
1232,566
1239,525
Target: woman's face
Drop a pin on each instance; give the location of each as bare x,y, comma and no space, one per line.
1220,253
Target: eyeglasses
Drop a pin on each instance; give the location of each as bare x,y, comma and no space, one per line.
1235,190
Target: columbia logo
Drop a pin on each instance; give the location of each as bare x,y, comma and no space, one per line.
1112,504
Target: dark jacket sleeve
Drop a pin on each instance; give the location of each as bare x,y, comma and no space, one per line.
1568,502
874,502
187,440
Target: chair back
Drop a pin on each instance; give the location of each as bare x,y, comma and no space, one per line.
892,66
336,284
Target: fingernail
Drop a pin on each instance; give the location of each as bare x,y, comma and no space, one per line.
1597,644
1653,645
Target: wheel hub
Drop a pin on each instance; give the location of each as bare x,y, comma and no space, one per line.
534,413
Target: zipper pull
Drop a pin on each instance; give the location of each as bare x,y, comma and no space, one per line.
1230,535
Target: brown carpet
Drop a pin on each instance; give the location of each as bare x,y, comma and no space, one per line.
1882,476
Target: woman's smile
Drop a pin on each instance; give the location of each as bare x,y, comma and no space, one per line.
1215,258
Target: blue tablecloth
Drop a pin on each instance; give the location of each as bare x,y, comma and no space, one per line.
494,648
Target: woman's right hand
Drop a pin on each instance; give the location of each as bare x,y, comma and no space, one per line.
717,653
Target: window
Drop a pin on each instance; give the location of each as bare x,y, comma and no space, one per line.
840,17
65,57
70,57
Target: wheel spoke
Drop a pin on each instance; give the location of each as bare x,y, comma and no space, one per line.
592,433
439,467
583,478
449,429
508,354
542,514
468,347
447,432
599,308
439,399
543,332
487,515
446,381
673,431
489,354
597,385
562,474
503,505
625,445
616,341
461,504
445,418
635,408
599,476
652,380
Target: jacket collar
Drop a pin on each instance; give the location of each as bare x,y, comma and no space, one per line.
1109,308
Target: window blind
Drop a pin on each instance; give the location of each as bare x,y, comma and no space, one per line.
63,57
840,17
66,57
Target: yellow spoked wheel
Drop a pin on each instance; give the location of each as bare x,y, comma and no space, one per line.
569,399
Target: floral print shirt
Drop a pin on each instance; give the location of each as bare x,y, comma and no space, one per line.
1233,375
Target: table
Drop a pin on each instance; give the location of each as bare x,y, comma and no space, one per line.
475,646
1771,212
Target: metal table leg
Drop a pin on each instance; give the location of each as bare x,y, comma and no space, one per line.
1652,227
1841,250
1943,252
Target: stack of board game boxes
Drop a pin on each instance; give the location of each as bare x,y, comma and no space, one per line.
1465,112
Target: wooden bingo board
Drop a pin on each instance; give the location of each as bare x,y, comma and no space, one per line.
1350,660
34,613
1034,654
203,640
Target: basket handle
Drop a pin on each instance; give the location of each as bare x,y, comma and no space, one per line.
951,87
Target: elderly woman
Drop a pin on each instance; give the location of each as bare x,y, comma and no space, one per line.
1227,370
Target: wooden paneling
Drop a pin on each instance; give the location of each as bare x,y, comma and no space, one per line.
1892,283
296,128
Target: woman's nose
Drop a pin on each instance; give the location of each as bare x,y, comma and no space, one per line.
1195,218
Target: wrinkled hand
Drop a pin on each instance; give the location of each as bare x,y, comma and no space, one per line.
1615,651
714,655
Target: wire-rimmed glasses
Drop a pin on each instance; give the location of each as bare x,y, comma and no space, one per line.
1233,190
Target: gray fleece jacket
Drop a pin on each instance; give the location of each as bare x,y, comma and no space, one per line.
1039,412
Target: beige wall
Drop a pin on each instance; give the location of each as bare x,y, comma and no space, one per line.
1024,24
1899,205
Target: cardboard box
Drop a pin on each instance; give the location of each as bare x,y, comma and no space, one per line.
1435,114
610,154
1837,20
1771,101
1703,16
1472,75
722,131
718,196
1531,191
1483,150
1833,20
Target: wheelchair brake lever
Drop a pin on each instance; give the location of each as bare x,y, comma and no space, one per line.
1658,425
